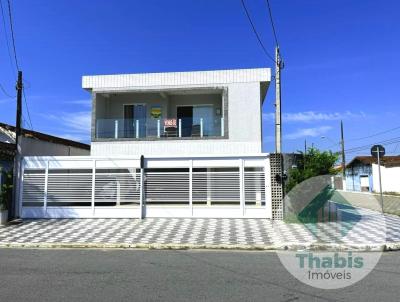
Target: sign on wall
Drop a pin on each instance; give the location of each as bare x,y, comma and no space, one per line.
155,111
170,122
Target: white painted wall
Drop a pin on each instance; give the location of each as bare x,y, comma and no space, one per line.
34,147
245,89
244,116
390,178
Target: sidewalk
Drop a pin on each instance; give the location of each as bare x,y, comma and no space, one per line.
368,233
391,203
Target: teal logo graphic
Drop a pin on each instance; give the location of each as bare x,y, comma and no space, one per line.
339,235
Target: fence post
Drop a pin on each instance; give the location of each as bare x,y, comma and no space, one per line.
267,184
137,128
241,179
191,186
118,193
201,127
180,127
46,181
116,129
21,186
222,127
158,129
93,185
141,196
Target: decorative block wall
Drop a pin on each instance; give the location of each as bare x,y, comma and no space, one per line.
276,186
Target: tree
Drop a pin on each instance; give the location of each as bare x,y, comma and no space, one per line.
313,163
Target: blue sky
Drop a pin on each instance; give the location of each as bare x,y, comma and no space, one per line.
341,60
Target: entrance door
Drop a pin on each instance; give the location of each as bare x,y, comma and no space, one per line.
185,113
133,113
206,113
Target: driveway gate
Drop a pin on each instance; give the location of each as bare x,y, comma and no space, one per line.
88,187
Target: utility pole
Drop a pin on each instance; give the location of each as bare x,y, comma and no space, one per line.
343,155
18,87
278,113
18,128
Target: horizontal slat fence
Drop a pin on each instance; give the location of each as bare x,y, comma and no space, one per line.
107,185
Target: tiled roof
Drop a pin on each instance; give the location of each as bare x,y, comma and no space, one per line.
387,161
10,130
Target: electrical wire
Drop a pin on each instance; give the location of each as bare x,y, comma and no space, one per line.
12,34
6,37
27,109
256,33
272,23
373,135
5,92
391,141
16,60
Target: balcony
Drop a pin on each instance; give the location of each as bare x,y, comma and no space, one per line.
162,128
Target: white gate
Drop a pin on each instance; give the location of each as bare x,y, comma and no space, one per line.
86,187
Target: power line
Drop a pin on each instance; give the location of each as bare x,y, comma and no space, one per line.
5,92
272,23
6,37
27,109
12,33
256,33
16,60
372,135
395,149
391,141
367,148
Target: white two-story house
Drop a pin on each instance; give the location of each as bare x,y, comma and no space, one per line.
174,144
178,113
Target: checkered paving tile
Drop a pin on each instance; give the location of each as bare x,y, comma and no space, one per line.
371,229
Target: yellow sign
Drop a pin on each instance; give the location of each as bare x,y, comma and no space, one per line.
155,112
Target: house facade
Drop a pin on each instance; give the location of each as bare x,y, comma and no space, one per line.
178,113
362,174
175,144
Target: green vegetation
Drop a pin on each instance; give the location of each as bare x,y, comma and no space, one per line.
6,190
313,163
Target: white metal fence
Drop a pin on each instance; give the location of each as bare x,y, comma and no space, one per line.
224,186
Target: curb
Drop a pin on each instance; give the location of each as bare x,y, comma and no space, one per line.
170,246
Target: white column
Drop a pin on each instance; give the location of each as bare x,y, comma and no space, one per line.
191,187
201,127
241,179
209,182
180,127
118,193
116,129
46,181
158,128
21,186
137,128
141,196
268,192
222,127
93,185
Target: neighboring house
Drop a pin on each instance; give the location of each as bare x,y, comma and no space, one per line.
35,143
175,144
178,113
362,174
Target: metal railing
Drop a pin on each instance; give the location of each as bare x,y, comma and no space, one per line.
160,128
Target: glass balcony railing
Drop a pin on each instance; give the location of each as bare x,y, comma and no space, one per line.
159,128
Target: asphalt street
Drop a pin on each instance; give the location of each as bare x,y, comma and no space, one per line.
170,275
